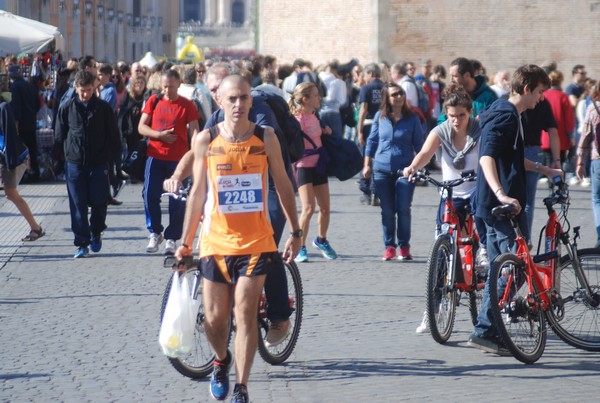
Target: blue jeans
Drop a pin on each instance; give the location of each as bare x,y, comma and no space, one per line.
595,177
156,172
500,239
395,197
534,154
87,186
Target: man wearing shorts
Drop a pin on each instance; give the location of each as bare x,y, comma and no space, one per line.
237,248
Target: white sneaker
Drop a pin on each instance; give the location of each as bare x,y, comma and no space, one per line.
153,241
277,333
482,258
424,326
170,247
573,181
543,180
586,182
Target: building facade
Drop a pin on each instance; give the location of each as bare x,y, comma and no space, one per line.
220,27
108,29
501,34
127,29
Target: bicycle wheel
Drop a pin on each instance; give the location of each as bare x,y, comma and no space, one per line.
579,323
521,326
281,352
441,298
198,363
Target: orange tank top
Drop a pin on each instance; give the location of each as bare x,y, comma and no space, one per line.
236,214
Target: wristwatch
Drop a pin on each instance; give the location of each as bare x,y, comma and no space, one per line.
297,233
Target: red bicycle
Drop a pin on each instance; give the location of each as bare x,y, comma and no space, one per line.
451,263
527,292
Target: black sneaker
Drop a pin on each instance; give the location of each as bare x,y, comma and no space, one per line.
219,381
487,345
240,394
114,202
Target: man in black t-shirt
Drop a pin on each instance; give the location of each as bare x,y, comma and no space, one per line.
534,121
369,99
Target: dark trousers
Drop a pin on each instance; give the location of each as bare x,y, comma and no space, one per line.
156,172
28,137
87,186
276,286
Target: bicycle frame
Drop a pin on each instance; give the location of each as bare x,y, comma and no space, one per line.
451,225
541,269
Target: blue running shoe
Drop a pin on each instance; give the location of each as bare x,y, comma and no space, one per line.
219,381
325,248
302,255
240,394
82,251
96,243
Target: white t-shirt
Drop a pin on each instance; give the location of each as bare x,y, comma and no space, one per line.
412,96
466,189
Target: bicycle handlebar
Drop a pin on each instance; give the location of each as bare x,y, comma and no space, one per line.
560,193
187,261
423,175
181,195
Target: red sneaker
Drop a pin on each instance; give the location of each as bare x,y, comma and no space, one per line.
390,253
405,253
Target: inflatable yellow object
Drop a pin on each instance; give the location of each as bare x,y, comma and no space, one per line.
190,51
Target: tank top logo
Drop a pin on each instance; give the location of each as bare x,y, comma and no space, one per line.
240,193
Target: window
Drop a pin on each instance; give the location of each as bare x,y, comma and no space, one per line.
237,13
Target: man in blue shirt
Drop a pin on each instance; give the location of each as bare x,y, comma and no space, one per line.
108,92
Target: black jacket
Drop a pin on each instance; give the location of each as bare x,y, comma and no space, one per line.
501,140
25,103
89,135
14,152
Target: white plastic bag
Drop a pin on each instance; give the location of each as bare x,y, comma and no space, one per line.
168,337
187,318
176,336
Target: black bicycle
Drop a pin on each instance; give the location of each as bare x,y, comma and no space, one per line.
198,363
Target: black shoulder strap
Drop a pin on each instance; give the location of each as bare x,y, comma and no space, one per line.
259,132
214,132
158,98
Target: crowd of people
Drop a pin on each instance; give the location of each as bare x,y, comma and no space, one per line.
211,122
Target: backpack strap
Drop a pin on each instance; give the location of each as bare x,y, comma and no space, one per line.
214,132
259,132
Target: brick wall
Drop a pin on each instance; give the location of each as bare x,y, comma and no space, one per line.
501,34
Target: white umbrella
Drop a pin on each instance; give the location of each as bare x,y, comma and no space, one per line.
23,35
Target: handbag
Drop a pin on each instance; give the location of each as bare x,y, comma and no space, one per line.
135,163
345,159
176,336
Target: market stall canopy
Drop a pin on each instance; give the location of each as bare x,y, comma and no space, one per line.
148,61
23,35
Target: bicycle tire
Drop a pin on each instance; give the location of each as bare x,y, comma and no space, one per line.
475,298
278,354
521,327
580,325
198,363
441,302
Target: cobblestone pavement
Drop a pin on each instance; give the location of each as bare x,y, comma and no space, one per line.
86,330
